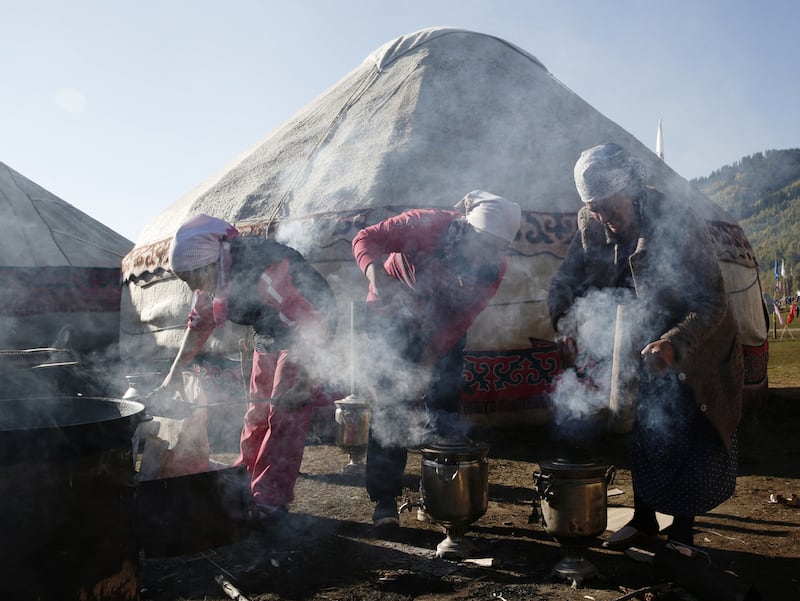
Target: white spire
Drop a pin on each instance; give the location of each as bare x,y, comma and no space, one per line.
660,142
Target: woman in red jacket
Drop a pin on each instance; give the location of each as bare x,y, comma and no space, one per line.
430,272
254,281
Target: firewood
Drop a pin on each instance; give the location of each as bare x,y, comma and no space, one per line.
229,589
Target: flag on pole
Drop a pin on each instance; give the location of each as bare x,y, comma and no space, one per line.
660,142
792,313
783,268
778,312
777,274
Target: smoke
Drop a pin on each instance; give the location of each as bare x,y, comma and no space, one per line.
602,386
373,366
679,280
375,361
302,236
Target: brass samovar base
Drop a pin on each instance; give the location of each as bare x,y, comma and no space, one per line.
354,469
575,567
455,546
356,466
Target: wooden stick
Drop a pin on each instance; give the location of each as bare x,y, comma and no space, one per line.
229,589
624,362
352,350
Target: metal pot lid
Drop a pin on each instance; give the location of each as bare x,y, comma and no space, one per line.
351,401
574,463
143,376
455,449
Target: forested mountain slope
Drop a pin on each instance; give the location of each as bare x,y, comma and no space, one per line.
762,191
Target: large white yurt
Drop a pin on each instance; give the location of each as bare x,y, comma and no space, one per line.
421,121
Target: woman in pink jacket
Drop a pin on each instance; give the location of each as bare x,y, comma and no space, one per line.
258,282
430,273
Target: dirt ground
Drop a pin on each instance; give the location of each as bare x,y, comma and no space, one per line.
326,549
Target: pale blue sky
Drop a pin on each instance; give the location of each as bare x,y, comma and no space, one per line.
120,107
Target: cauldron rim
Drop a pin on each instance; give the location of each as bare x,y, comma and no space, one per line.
127,409
107,424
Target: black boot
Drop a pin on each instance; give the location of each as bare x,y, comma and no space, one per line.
644,517
681,530
642,527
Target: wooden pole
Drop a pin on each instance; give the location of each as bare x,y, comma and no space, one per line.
229,589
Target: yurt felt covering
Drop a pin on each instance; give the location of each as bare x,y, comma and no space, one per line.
59,270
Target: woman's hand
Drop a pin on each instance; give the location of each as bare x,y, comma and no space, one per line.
172,383
390,293
168,400
658,357
384,287
567,351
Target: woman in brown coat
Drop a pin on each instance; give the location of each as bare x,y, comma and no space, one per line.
632,238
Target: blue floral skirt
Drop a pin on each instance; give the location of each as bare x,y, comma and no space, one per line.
679,465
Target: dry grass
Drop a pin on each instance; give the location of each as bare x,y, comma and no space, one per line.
784,361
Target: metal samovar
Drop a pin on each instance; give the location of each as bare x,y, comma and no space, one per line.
352,431
455,490
572,493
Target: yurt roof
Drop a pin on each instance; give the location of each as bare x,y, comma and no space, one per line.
422,120
42,230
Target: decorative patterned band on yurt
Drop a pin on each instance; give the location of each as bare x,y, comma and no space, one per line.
511,380
541,233
62,289
500,379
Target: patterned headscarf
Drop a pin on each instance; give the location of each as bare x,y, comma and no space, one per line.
493,214
199,242
605,170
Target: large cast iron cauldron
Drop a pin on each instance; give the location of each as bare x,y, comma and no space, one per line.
67,499
186,514
59,427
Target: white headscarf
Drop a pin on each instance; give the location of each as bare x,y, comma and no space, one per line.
493,214
605,170
201,241
197,242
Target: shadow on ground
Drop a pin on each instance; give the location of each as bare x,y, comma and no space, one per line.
326,548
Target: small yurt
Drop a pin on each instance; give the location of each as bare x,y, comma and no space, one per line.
60,283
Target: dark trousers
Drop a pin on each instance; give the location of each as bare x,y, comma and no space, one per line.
386,461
